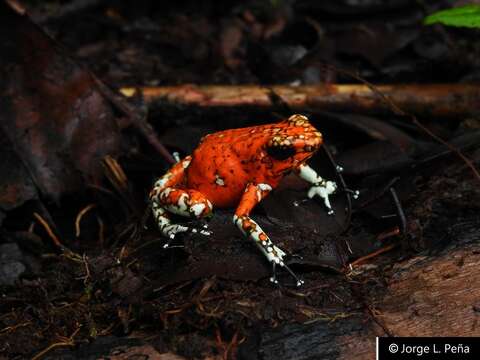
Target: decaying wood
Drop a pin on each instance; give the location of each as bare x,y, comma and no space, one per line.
434,295
443,100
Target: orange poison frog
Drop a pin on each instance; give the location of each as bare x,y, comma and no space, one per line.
238,168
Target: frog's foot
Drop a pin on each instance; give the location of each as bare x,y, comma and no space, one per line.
355,193
172,231
274,254
320,187
252,195
324,189
273,279
201,229
169,230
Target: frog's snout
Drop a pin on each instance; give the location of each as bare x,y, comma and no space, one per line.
310,141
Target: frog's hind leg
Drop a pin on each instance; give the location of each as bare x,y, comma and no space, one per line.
167,197
254,193
164,224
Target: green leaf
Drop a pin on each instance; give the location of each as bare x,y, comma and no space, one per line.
466,16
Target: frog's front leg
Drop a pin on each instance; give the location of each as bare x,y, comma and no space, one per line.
254,193
167,198
320,186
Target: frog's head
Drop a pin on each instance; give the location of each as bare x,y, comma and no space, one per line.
292,142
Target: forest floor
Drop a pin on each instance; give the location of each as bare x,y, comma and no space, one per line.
83,270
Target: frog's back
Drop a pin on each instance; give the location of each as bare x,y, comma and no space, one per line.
220,166
237,136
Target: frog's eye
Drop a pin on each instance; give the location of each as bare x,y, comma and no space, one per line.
281,152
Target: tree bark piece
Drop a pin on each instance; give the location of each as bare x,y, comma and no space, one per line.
443,100
435,297
425,296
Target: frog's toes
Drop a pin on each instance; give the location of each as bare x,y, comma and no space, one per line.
280,253
297,203
201,231
170,239
273,280
355,193
324,190
296,256
171,230
298,282
331,187
176,156
274,254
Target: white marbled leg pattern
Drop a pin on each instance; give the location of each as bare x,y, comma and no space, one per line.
252,196
166,198
251,229
162,219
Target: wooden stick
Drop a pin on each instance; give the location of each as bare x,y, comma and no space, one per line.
442,100
48,229
372,255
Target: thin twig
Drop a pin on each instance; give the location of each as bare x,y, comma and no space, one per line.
87,269
64,342
101,230
372,255
118,178
400,212
80,216
138,120
343,187
12,328
389,233
398,111
378,321
48,229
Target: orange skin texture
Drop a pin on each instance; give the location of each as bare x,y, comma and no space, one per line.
240,157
